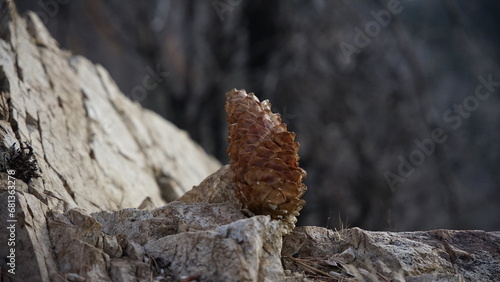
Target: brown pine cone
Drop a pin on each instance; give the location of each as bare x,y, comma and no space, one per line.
263,157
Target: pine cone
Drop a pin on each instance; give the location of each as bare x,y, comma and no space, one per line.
263,157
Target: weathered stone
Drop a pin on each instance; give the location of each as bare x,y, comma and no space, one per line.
111,246
134,251
217,188
95,149
78,245
246,250
176,217
214,215
438,255
71,111
124,270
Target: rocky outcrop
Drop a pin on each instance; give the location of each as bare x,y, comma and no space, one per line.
73,140
359,255
95,148
82,169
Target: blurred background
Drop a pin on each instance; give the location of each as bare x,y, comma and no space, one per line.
395,103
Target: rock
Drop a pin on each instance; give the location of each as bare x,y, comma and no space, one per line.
356,254
122,270
94,149
216,243
77,241
111,246
71,112
246,250
217,188
171,219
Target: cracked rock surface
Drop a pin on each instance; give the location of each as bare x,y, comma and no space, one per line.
95,148
359,255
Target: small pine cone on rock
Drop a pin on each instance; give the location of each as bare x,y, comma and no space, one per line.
263,157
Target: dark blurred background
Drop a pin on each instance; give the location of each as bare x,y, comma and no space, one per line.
366,86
